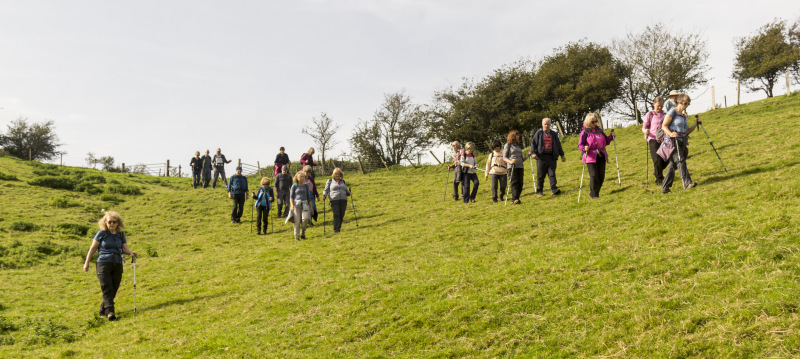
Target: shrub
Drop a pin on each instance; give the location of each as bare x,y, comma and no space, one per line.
124,189
47,172
64,202
94,179
6,325
152,252
73,228
88,188
113,181
5,177
23,226
55,182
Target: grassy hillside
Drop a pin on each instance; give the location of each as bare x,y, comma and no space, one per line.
710,272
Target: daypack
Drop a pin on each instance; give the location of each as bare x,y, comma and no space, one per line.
118,243
498,165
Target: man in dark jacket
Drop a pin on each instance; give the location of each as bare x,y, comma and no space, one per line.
237,189
197,169
206,169
283,185
281,160
546,148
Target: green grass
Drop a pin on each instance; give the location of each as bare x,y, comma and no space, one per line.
710,272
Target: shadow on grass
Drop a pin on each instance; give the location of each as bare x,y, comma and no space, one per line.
178,302
750,170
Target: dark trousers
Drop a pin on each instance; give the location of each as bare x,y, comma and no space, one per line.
546,165
597,175
658,162
501,180
238,207
196,178
109,275
262,216
283,204
219,171
456,186
516,182
466,178
338,207
680,165
206,178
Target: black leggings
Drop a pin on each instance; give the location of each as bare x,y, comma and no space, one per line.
110,276
262,216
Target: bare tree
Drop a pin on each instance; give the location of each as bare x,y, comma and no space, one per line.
398,129
657,61
322,130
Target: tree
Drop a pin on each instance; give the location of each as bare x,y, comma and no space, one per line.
397,130
657,61
574,80
106,162
37,141
761,58
322,130
488,110
794,40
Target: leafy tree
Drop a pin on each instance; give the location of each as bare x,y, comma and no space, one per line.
37,141
763,57
322,130
487,110
106,162
794,40
657,61
576,79
398,129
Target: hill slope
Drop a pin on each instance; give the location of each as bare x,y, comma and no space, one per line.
709,272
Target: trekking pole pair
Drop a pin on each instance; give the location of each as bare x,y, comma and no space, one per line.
700,124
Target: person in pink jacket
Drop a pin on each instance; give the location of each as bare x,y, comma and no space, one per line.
592,143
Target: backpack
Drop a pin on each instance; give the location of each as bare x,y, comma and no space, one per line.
659,130
498,165
119,244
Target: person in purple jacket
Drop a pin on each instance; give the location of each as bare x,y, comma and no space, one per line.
652,122
592,143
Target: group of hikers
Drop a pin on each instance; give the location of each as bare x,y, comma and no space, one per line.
505,164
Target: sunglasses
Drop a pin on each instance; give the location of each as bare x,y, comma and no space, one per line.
595,121
111,222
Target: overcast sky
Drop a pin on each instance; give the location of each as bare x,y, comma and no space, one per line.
146,81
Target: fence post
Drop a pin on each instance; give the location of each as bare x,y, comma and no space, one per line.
558,123
738,92
434,157
788,91
384,163
361,166
419,159
239,163
123,167
166,173
713,100
409,161
179,171
258,166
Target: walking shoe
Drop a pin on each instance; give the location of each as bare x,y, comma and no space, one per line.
516,201
111,316
556,192
302,236
233,221
540,194
494,200
456,198
659,182
690,185
472,200
666,192
258,233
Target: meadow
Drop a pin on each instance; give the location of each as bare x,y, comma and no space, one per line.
710,272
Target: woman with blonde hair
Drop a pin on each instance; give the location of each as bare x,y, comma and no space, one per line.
468,165
512,155
336,189
110,243
674,149
592,143
263,205
300,198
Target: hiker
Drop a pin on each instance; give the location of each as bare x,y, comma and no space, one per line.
307,160
654,135
496,167
457,174
263,205
592,142
300,200
672,102
237,189
336,189
283,184
676,126
110,243
219,168
546,149
312,184
281,160
469,174
197,169
206,169
512,155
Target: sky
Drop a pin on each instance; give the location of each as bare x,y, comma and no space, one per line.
146,81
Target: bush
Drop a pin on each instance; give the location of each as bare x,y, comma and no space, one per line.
113,181
94,179
5,177
88,188
152,252
55,182
64,202
23,226
79,230
47,172
6,325
124,189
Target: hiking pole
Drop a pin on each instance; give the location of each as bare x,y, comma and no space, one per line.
709,142
251,219
446,184
646,161
581,187
323,216
353,202
533,175
509,184
133,261
616,159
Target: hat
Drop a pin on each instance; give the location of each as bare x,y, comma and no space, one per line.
674,93
238,168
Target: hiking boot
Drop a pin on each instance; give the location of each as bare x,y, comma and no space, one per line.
556,192
494,200
516,201
659,182
472,200
690,185
233,221
111,316
666,192
258,233
302,236
539,194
